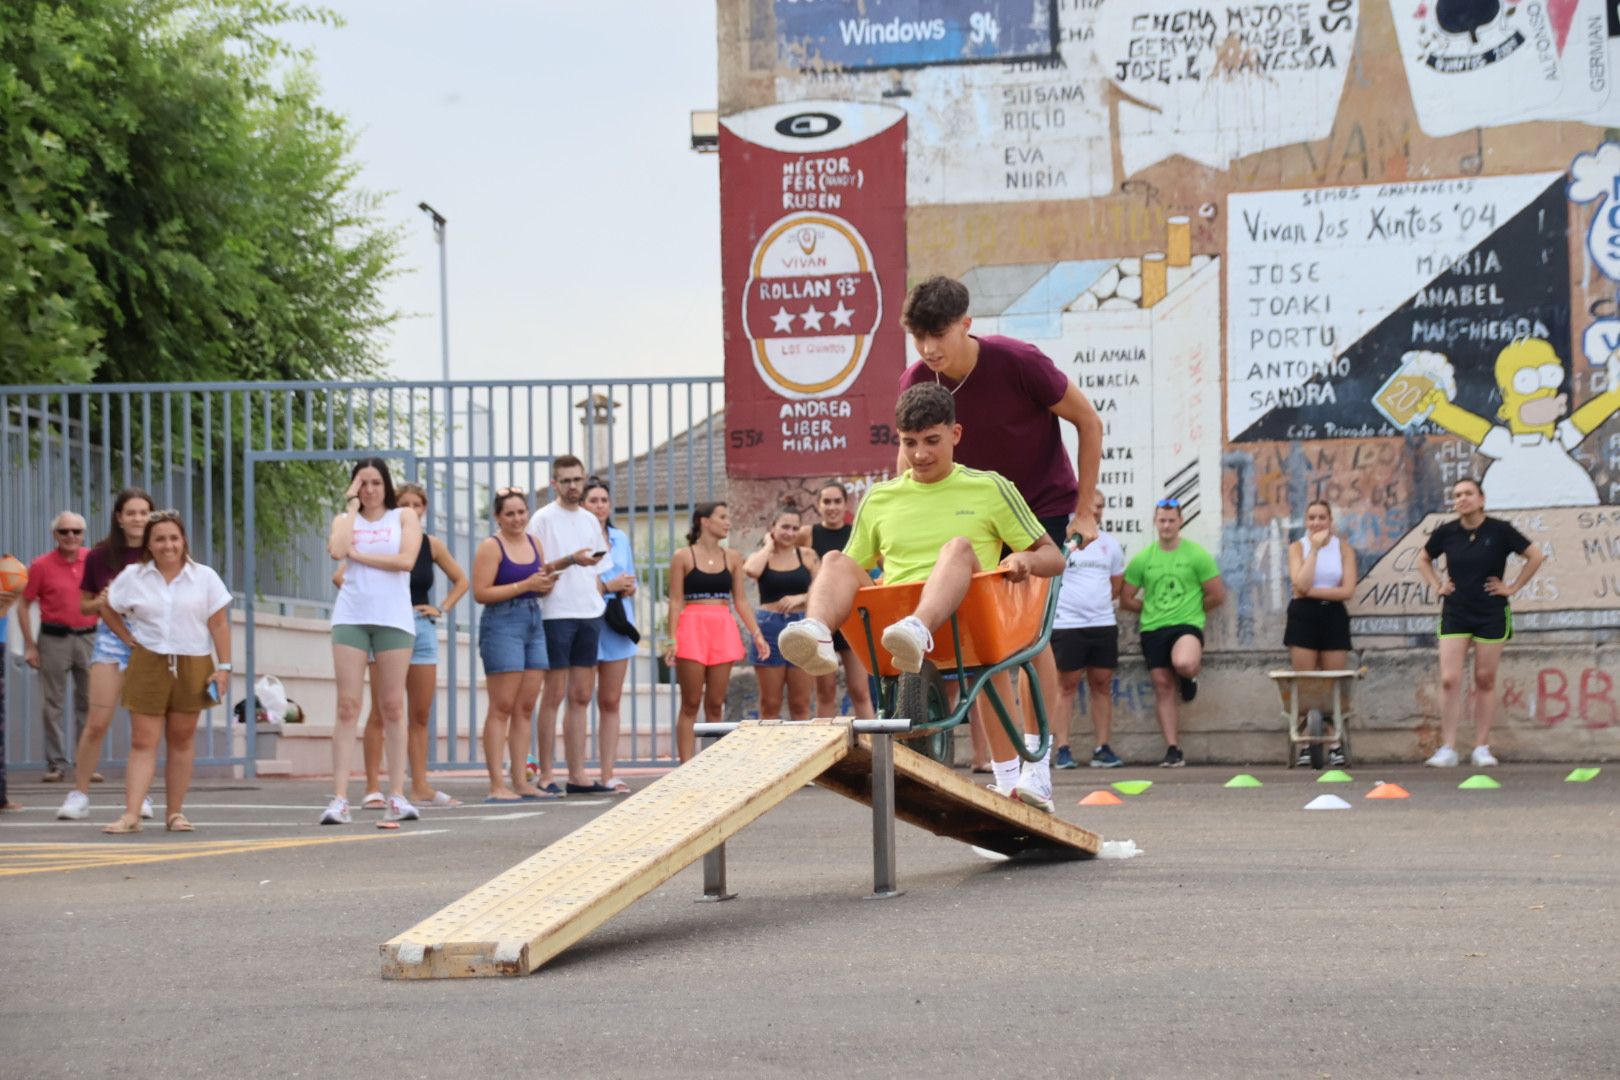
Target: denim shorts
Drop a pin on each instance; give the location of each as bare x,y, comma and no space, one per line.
511,636
109,648
771,625
426,650
572,642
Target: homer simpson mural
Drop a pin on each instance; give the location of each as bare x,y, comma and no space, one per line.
1531,444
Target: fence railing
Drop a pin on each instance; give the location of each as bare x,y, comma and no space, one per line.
659,442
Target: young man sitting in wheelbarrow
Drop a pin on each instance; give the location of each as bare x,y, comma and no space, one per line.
939,523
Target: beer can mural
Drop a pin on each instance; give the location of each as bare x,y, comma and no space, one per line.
813,256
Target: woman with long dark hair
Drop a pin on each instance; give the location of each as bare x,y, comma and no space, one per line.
509,576
421,682
378,541
706,598
614,651
783,570
172,613
109,655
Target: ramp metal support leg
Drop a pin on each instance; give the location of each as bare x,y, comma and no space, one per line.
714,863
883,876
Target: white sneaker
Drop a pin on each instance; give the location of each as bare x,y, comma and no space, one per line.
909,641
808,645
147,813
400,809
1443,758
1030,794
337,812
76,807
1482,758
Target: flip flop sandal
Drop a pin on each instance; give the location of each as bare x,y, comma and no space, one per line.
178,823
443,800
544,796
503,802
374,801
617,787
592,788
122,827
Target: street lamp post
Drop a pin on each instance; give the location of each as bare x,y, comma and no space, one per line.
439,223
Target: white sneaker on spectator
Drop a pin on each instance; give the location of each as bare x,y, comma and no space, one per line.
1443,758
400,809
76,807
1030,794
908,641
808,645
147,813
337,812
1482,758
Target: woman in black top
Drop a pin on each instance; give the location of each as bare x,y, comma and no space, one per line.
705,589
1473,611
783,570
831,533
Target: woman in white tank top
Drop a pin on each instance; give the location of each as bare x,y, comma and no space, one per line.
377,541
1322,570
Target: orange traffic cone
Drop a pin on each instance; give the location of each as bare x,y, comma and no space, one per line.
1382,790
1101,798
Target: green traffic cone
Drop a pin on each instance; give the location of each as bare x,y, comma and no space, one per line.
1243,779
1479,783
1132,787
1581,776
1334,776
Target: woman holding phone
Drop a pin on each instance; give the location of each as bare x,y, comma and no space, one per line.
172,613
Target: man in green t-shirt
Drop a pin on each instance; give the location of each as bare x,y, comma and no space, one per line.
939,523
1172,583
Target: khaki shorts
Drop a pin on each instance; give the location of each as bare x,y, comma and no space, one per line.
156,685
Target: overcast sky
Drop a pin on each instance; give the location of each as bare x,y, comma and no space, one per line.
584,233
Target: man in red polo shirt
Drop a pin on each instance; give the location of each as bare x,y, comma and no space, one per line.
65,635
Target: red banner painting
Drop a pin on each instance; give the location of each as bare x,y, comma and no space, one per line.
813,253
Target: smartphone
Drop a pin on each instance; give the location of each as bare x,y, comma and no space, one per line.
213,691
599,554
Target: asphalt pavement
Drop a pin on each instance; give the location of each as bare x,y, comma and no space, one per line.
1455,933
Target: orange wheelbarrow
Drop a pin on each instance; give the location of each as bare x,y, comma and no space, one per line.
1000,626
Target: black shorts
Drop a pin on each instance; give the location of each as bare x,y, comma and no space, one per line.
841,643
1157,644
1086,647
1486,626
1322,625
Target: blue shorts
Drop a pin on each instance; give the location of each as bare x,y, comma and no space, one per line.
614,646
771,625
109,648
511,637
426,650
572,642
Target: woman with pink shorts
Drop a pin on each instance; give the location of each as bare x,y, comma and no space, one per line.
705,600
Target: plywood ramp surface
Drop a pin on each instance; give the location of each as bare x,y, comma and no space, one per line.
535,910
933,797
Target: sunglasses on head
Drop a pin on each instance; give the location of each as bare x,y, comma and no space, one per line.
1168,504
159,516
501,493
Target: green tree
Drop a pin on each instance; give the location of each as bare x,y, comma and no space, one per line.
177,204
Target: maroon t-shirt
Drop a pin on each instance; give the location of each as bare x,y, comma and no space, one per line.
1007,421
99,570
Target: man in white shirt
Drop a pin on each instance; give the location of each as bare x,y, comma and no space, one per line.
570,539
1085,642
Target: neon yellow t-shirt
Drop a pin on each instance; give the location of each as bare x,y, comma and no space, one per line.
906,523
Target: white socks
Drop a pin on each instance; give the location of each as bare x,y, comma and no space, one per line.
1008,772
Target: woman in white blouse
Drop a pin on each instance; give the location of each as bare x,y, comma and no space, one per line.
175,616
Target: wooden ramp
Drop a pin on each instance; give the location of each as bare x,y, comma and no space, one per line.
933,797
532,912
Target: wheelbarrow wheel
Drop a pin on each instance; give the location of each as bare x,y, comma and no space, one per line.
921,698
1317,748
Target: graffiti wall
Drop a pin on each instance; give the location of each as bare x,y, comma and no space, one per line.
1340,249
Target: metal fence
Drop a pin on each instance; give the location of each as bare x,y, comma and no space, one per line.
197,447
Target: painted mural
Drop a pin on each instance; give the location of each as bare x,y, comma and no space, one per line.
1313,249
